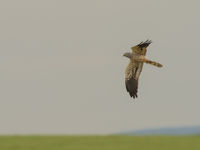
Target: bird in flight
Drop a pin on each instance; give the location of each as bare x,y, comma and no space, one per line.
134,68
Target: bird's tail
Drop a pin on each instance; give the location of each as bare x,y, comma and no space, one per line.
152,63
143,59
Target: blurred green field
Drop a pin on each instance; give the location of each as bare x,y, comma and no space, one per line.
99,142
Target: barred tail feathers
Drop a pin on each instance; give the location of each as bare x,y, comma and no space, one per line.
152,63
143,59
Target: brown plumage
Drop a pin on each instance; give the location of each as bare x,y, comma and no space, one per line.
134,68
143,59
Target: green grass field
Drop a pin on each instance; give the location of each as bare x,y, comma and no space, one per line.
99,142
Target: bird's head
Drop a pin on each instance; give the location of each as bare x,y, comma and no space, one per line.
129,55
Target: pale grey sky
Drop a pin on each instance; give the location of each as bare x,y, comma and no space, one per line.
62,69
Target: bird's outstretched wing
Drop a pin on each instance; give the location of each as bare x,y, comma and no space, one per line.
141,48
132,87
131,79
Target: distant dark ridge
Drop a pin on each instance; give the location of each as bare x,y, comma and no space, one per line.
192,130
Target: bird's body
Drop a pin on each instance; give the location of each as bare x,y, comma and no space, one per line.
134,68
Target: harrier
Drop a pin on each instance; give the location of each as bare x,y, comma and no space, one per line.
134,68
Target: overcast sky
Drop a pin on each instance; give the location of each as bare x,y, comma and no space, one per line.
62,70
